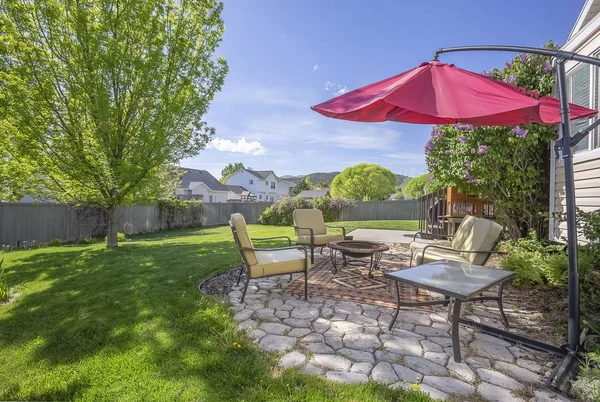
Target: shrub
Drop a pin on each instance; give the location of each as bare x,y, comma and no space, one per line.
86,240
4,290
120,236
526,264
55,243
587,384
281,211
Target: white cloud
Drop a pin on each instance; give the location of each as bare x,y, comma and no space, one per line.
242,146
337,89
341,91
316,67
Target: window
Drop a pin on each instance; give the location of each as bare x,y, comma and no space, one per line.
272,198
210,198
578,92
267,182
251,181
272,184
260,196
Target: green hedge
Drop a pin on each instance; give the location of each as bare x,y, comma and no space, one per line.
280,213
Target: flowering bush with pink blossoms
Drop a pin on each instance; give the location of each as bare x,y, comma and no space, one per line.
507,165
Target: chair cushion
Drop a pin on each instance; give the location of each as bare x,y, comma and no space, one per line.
435,254
320,240
462,232
309,218
484,234
239,224
278,262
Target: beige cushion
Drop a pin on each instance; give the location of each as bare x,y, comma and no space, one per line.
320,240
278,262
483,235
435,254
462,232
309,218
239,224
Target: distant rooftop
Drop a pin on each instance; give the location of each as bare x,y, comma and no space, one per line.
195,175
314,193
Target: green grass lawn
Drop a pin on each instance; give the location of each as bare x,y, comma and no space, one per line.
129,324
392,225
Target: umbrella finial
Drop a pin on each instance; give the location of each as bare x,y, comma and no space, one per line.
436,57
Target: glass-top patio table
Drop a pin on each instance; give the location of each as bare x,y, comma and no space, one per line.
458,282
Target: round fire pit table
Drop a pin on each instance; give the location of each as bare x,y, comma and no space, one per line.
358,250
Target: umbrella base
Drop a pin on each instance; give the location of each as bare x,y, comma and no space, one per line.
564,373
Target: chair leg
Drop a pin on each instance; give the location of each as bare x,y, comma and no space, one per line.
240,275
245,288
312,254
290,277
305,284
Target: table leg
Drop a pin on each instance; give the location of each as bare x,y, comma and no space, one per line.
371,267
332,255
500,306
455,330
397,306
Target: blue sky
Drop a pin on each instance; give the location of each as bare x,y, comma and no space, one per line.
285,56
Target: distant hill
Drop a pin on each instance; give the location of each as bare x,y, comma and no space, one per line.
319,177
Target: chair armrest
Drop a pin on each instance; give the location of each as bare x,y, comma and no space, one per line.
271,238
338,227
312,233
459,250
303,249
431,234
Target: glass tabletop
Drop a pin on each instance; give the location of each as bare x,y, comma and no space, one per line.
455,279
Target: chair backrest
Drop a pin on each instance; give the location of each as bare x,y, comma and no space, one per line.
462,232
484,235
309,218
242,239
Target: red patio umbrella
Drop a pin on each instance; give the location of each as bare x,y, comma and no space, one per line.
440,93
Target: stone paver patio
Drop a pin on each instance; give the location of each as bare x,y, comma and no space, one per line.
350,342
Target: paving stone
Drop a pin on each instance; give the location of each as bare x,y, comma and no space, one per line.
406,374
256,334
499,379
326,312
491,350
402,385
366,342
347,308
304,313
438,318
430,331
492,339
362,320
294,322
311,369
401,346
542,395
332,362
267,314
292,359
493,393
317,347
521,373
433,392
443,342
385,320
282,314
298,332
357,355
387,356
361,368
424,366
384,373
413,317
248,324
347,378
520,353
312,337
277,343
285,307
371,314
372,330
338,317
243,315
478,362
274,328
446,327
274,303
437,357
334,341
529,365
429,346
449,385
297,303
462,370
403,333
346,327
321,325
333,332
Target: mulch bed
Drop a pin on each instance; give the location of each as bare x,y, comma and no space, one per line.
220,284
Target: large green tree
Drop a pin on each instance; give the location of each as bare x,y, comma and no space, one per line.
303,185
417,186
100,96
230,169
364,182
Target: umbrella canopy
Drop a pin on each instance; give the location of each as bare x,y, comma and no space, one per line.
440,93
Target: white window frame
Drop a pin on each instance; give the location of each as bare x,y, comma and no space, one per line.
251,181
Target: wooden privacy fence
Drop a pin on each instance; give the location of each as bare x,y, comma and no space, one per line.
22,224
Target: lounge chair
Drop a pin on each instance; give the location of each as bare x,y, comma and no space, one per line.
473,243
264,262
311,230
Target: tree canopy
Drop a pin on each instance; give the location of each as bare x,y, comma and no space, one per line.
417,186
303,185
230,169
99,99
364,182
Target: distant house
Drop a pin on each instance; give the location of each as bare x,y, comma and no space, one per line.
239,193
201,185
262,183
284,188
314,193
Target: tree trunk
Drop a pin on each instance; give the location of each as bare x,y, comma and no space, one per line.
113,228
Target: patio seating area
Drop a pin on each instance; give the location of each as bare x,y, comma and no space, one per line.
344,335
